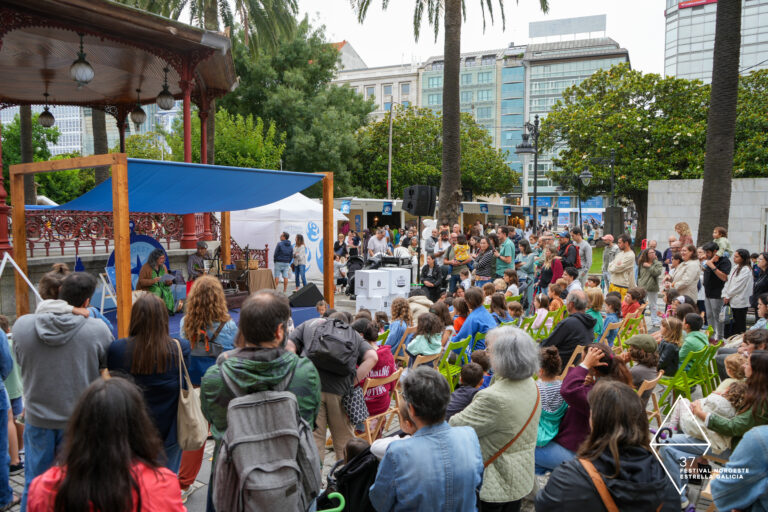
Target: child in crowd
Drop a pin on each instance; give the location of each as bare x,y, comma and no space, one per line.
466,281
613,294
719,236
725,405
516,312
482,358
461,311
563,284
461,250
670,340
555,302
612,310
552,404
379,446
499,309
428,339
695,340
541,305
734,368
470,380
14,389
340,272
632,301
321,307
381,320
441,310
672,299
642,351
595,298
500,285
354,447
400,313
376,398
488,291
363,313
512,282
593,282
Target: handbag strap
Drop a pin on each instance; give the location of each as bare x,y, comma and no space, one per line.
602,489
506,446
183,365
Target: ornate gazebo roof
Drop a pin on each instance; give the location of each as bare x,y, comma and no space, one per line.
127,48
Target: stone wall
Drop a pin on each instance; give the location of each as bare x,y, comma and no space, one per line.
94,264
670,202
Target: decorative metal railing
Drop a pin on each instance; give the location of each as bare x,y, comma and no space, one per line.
238,253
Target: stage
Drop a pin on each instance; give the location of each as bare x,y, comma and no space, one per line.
299,315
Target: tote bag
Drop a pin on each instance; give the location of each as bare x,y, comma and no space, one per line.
191,426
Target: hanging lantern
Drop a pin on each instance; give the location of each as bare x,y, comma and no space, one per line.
138,116
165,99
45,118
81,71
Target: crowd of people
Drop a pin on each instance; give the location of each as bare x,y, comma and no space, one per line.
97,419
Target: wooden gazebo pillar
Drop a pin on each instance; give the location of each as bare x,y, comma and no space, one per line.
189,233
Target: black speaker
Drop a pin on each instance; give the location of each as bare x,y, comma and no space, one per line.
306,297
420,200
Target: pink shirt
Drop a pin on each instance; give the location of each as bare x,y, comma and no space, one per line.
377,398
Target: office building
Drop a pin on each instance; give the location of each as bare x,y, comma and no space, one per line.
690,38
385,85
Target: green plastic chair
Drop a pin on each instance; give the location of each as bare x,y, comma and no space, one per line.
527,323
683,380
382,337
450,370
560,315
630,328
543,331
709,375
515,298
339,507
478,336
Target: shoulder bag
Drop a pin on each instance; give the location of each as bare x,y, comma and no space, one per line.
191,425
205,346
506,446
602,489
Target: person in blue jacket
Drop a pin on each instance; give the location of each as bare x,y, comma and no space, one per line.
479,319
282,260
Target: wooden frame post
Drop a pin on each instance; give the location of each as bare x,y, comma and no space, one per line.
226,244
118,163
329,286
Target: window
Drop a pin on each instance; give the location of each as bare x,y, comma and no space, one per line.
485,78
484,95
387,106
435,99
405,89
467,97
488,60
437,65
469,62
484,112
466,79
387,90
434,82
370,92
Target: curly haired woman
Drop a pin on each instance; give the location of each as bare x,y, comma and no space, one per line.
209,330
400,321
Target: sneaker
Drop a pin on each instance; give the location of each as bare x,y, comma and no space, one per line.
15,469
185,494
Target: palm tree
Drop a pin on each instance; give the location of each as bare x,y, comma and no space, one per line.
27,152
721,121
100,143
453,13
265,23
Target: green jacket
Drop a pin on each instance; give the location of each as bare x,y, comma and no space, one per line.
694,341
598,321
648,278
497,414
258,369
736,426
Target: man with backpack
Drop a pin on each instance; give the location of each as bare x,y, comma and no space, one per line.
569,253
342,359
263,399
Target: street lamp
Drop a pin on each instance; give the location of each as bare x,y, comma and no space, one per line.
525,148
584,178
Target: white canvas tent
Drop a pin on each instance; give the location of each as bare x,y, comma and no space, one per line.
296,214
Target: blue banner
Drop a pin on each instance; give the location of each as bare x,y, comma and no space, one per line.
345,206
543,212
541,201
461,208
564,202
386,208
483,208
526,211
593,202
507,211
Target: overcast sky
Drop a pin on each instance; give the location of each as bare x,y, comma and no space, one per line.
386,37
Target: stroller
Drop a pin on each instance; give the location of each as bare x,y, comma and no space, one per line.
352,480
354,264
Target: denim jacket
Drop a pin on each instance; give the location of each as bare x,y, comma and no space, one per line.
751,491
439,468
6,366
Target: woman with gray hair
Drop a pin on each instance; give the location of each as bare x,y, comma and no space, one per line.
151,279
505,417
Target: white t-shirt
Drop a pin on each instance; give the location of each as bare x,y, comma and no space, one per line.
513,290
441,246
378,246
466,283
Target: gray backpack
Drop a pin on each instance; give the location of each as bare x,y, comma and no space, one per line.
267,460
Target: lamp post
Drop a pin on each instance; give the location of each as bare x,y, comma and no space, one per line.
612,216
525,148
584,178
389,158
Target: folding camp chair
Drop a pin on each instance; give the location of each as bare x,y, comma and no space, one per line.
372,430
401,357
650,385
451,370
578,351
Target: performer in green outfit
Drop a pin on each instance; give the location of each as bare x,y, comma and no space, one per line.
151,279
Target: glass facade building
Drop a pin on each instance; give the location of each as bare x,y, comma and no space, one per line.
690,38
69,121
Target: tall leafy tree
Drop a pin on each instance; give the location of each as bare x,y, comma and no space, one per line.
451,13
417,154
721,122
292,87
16,143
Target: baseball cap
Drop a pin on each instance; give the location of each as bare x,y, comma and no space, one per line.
608,238
565,234
644,342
